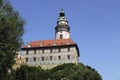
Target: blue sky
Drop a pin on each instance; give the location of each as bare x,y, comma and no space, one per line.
95,27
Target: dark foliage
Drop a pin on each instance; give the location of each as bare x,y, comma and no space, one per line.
11,30
62,72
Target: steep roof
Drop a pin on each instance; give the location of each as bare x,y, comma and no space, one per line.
49,43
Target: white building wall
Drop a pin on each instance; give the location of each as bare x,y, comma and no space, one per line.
47,63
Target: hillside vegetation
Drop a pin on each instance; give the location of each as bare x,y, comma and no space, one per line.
62,72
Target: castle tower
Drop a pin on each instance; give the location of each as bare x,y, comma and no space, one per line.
62,30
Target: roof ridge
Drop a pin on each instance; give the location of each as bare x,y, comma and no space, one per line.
52,40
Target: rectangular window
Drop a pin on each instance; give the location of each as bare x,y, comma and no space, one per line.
59,57
27,52
50,50
34,58
50,58
34,51
68,56
26,59
42,58
61,36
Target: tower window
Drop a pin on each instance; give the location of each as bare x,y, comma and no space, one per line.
61,36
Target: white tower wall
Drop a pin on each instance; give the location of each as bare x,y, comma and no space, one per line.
65,35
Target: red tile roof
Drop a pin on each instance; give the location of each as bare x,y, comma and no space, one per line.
48,43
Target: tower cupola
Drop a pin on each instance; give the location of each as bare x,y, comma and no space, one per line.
62,30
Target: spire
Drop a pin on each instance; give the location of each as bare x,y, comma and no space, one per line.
62,30
62,19
62,13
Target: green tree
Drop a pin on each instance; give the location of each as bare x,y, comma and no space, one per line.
74,72
62,72
11,30
29,73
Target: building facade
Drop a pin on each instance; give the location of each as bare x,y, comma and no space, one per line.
50,53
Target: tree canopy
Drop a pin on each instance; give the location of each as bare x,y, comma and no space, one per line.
62,72
11,30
